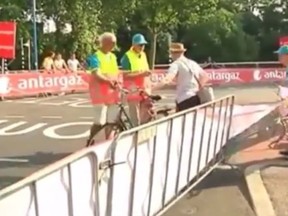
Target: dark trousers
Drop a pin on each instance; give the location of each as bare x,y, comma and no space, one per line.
188,103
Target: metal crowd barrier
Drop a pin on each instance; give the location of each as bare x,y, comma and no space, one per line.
140,173
166,158
56,190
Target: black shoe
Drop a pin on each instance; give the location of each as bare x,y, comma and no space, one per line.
284,153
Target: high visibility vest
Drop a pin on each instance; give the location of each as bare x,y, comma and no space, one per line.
138,62
101,92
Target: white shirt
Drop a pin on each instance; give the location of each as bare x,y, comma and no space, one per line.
59,64
73,64
187,86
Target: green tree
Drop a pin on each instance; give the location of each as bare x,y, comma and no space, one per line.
160,16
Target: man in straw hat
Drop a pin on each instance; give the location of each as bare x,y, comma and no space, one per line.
189,78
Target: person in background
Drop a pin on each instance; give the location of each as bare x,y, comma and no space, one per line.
73,63
283,59
188,74
103,69
48,62
60,63
136,74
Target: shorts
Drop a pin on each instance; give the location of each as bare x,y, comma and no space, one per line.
105,113
188,103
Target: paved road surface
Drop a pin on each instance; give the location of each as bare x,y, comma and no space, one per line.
29,141
222,193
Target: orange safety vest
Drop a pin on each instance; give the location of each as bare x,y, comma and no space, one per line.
138,62
101,92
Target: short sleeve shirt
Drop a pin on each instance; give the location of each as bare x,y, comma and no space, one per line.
185,70
125,63
92,63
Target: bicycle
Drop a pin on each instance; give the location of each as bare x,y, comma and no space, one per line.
281,120
123,120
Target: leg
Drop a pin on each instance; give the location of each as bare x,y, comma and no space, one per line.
112,116
146,111
134,108
100,111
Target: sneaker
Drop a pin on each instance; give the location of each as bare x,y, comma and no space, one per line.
284,153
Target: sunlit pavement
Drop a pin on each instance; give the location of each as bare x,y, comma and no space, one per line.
48,129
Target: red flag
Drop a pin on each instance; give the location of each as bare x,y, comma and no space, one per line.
7,40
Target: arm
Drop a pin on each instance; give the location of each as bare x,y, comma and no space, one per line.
80,66
65,65
168,79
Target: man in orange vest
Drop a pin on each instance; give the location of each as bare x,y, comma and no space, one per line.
136,74
103,70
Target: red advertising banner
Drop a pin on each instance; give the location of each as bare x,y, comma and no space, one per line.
25,84
7,40
236,75
283,41
33,83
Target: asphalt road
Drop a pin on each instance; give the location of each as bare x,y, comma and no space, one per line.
29,139
222,193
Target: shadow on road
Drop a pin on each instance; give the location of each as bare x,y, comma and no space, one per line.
14,169
39,158
8,180
223,192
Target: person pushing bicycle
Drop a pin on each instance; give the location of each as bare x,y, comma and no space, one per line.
104,73
136,75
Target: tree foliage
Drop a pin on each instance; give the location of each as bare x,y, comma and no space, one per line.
225,30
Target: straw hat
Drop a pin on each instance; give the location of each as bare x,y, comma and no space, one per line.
177,47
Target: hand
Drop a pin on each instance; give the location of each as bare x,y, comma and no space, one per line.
114,84
147,73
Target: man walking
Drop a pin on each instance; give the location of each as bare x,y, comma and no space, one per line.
104,72
189,75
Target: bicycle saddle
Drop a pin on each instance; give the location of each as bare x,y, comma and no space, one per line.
155,97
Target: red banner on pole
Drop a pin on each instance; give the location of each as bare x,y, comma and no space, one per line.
283,41
7,40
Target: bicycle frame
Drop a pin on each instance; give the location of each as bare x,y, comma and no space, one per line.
122,112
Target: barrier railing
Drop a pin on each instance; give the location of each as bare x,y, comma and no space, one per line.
158,162
142,171
28,84
68,187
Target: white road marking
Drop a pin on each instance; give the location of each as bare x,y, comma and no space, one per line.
86,117
10,116
52,117
14,160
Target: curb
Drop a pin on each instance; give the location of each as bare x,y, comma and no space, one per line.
260,198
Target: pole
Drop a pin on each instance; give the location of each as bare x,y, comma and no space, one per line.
5,66
2,66
35,48
22,54
29,55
